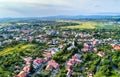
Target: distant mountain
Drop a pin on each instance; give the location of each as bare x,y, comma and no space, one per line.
81,17
65,17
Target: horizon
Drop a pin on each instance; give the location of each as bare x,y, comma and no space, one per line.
87,15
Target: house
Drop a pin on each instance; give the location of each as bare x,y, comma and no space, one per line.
75,57
21,74
28,60
60,46
101,54
17,38
70,62
54,41
26,68
117,43
75,60
54,50
94,42
90,74
117,47
52,64
76,36
95,49
24,73
49,67
40,36
78,55
113,45
17,68
37,62
70,48
30,38
47,54
86,47
48,32
69,73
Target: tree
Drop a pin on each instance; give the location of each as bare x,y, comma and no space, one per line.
32,70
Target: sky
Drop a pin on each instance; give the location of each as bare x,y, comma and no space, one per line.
41,8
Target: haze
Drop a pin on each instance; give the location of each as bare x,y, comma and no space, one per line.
38,8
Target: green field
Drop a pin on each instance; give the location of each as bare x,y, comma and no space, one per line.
10,57
90,25
17,48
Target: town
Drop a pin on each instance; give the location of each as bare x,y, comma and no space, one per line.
42,48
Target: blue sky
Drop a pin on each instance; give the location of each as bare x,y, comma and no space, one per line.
31,8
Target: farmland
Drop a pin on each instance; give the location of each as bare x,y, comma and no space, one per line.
91,25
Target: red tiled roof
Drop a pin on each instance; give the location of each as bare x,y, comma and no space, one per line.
74,57
54,64
101,53
26,68
117,47
71,62
49,67
69,72
22,74
27,60
39,60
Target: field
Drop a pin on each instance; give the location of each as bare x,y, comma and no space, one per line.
12,57
90,25
16,48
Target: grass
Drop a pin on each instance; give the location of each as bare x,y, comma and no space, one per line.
6,72
44,28
16,48
113,74
10,54
90,25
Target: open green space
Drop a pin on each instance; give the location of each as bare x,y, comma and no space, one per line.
13,56
15,49
91,25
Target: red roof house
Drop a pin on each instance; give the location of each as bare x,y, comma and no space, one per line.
101,54
52,64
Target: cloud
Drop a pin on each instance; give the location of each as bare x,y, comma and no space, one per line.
56,7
